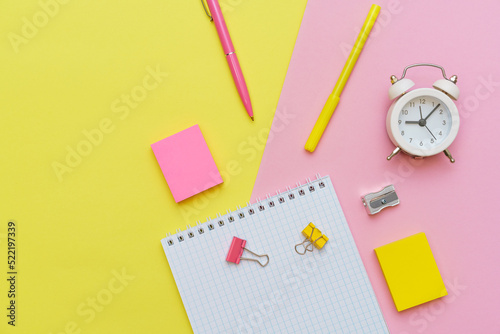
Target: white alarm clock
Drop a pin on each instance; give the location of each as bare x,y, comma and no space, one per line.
424,121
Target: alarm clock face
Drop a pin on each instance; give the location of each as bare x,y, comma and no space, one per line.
423,122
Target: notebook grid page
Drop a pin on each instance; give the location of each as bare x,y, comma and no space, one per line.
324,291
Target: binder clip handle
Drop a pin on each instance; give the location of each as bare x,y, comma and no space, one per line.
255,260
311,244
308,248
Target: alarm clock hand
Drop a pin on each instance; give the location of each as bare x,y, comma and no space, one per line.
430,132
420,122
433,110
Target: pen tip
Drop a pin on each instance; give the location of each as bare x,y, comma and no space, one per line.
252,118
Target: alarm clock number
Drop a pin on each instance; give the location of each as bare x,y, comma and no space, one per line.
424,122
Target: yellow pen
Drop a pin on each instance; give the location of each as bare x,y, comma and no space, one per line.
334,98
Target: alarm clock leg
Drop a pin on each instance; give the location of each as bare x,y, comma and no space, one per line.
396,151
448,155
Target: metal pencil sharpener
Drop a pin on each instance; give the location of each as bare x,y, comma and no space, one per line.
375,202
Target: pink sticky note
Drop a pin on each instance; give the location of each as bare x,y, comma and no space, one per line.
186,163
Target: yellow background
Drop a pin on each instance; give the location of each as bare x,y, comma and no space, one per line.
105,218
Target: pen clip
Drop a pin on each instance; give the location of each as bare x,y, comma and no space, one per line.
206,11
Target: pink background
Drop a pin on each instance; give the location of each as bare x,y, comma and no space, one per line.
456,205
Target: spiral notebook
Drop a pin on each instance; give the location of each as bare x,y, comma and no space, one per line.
325,291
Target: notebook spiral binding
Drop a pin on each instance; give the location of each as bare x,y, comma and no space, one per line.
241,213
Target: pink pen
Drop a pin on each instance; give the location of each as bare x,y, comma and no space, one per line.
228,48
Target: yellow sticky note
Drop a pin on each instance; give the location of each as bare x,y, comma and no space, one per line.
411,271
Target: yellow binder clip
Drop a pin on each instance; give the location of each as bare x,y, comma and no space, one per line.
314,237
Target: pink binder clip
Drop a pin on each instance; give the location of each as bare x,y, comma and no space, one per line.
236,251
